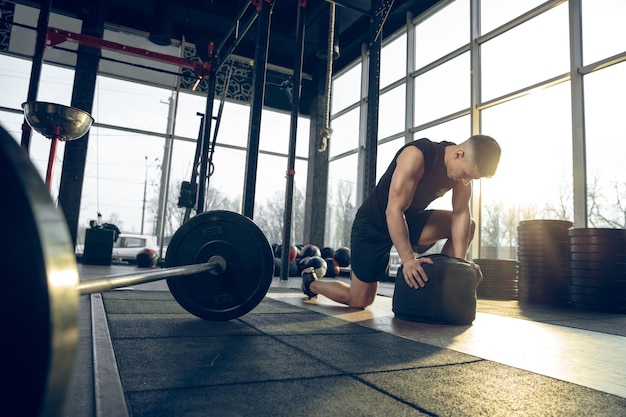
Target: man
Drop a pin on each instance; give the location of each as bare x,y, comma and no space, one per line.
394,214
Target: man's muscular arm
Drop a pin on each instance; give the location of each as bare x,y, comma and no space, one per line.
461,219
461,223
409,171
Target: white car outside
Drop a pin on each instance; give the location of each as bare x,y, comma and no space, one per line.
127,246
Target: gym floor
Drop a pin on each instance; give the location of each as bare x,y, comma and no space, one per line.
141,354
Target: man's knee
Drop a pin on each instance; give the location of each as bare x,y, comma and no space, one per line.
361,303
362,294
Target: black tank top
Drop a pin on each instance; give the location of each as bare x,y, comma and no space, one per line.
434,184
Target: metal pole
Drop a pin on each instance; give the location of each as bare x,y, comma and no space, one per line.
165,170
258,93
145,187
373,96
295,107
216,265
35,70
206,137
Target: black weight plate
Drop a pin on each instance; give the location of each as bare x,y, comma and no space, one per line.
597,291
543,301
618,307
545,284
604,232
543,289
597,300
497,296
499,280
542,250
506,288
39,297
546,280
545,224
543,268
525,257
508,272
578,248
598,240
552,250
541,264
506,285
495,270
495,261
599,282
510,287
542,245
560,293
616,273
551,247
597,265
549,297
496,277
489,290
548,231
538,275
249,265
542,238
610,258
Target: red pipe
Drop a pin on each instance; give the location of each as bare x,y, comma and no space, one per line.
51,157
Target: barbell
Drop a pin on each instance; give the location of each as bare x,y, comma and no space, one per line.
219,266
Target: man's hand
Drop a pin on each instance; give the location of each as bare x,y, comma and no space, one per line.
478,271
414,274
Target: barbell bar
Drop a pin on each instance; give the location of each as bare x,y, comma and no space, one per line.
216,265
219,266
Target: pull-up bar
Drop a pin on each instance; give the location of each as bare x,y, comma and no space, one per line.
56,36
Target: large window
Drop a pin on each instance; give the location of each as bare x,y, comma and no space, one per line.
342,204
532,52
604,32
345,135
442,32
392,112
523,100
393,61
346,89
120,165
534,178
443,90
605,100
494,13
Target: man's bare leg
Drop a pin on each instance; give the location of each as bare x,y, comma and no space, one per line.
438,227
358,294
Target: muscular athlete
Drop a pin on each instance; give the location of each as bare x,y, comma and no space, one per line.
395,214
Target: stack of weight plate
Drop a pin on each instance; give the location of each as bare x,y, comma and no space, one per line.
499,279
598,269
543,256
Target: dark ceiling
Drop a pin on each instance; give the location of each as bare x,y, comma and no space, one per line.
201,21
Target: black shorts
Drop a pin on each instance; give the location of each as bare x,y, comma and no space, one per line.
370,246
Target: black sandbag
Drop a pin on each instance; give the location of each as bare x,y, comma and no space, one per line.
449,296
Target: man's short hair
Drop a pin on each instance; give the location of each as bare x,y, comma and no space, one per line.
485,153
